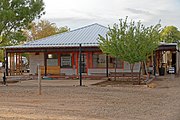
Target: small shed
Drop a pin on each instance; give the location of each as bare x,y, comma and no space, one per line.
168,58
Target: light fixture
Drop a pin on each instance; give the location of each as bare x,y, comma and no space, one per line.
50,56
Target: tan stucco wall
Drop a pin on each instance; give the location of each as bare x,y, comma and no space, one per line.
34,60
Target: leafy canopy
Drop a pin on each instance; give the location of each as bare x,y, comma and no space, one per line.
170,34
43,29
131,42
16,15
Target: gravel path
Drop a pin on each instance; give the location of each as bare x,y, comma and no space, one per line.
64,100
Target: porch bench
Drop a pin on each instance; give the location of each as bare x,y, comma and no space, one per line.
53,70
52,76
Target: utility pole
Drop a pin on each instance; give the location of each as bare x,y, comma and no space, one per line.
80,64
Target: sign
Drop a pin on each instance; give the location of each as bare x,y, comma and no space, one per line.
171,70
65,60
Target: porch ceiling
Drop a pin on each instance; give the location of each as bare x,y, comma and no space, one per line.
52,49
167,48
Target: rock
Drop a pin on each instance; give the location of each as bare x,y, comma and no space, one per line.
152,85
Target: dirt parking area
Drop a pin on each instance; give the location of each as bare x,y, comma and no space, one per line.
65,100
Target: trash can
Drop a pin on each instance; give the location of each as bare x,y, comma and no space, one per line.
161,71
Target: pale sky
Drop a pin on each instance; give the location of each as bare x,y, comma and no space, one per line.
78,13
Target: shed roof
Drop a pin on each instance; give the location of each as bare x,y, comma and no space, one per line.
167,46
87,36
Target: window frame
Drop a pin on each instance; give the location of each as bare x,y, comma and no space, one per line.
109,59
71,60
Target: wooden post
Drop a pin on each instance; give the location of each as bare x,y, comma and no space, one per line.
10,58
20,62
16,64
39,79
6,62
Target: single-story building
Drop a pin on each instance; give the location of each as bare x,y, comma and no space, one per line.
59,54
168,58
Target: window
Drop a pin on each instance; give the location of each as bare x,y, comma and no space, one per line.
99,61
52,60
66,61
112,62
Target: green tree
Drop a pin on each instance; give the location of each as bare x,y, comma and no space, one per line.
43,29
170,34
131,42
16,15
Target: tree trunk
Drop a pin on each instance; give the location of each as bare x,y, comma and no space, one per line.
147,72
115,68
139,78
132,67
145,67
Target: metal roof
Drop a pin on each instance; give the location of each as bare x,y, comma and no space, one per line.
87,36
163,46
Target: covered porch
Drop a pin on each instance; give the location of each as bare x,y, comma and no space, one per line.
65,61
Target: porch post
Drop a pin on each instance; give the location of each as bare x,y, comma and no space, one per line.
16,62
10,61
80,64
21,62
45,63
154,59
6,62
177,59
107,66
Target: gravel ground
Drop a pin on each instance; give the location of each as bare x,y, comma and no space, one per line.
65,100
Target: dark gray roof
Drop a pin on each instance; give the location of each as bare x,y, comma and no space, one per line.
87,36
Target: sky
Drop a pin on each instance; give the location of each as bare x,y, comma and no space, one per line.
79,13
